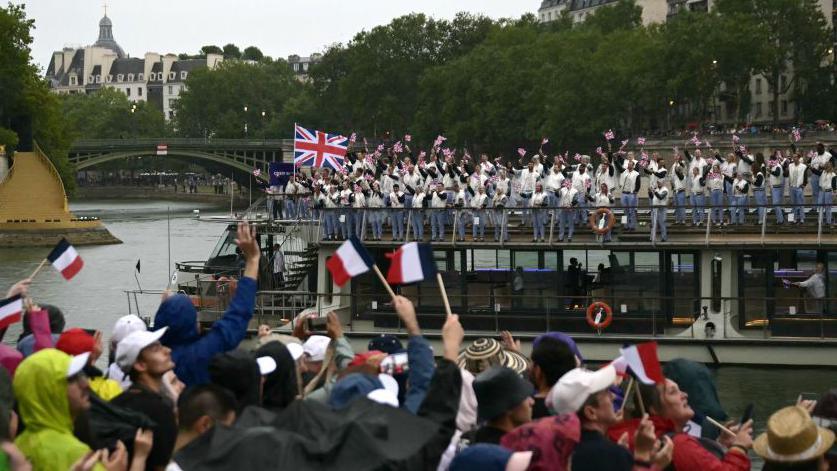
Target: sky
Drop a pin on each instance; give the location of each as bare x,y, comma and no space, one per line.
278,27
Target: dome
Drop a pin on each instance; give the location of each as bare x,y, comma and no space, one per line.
106,37
105,21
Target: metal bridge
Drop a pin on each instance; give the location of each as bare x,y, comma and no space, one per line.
242,154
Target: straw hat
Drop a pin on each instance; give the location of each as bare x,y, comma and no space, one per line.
484,353
792,437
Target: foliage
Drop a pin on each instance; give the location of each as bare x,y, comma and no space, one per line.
252,53
109,114
211,49
231,51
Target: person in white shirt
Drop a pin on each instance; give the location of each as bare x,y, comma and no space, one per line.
759,193
715,183
539,203
479,203
603,199
818,161
278,266
290,199
629,184
438,202
828,185
460,203
697,189
777,187
679,183
815,289
375,201
797,180
552,185
660,203
346,215
528,177
396,202
581,182
420,202
358,208
331,203
740,189
728,169
567,199
499,202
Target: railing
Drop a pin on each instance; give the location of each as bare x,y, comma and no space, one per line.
85,144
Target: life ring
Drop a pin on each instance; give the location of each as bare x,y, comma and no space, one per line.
611,220
592,314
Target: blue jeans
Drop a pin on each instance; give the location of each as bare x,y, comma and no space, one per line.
565,223
398,224
826,198
359,223
538,216
761,201
680,207
739,211
377,222
629,201
290,209
525,203
346,224
697,208
660,222
437,223
581,212
815,188
500,224
478,227
417,221
798,198
777,194
330,220
717,200
461,216
728,191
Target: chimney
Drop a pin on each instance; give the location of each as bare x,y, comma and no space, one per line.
151,58
168,60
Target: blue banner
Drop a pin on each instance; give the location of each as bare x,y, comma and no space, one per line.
280,173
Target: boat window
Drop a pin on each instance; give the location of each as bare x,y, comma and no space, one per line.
482,259
831,285
794,266
684,285
550,261
525,259
754,302
636,285
504,259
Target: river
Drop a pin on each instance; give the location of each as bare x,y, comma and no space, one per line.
96,298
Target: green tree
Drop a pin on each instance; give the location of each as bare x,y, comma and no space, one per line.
211,49
109,114
231,51
624,14
252,53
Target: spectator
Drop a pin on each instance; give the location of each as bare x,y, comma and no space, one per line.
199,409
281,386
26,341
191,352
503,402
77,341
145,360
241,373
124,326
794,442
488,457
551,359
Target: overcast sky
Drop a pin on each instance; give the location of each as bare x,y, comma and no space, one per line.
278,27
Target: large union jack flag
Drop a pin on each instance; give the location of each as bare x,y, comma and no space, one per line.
318,149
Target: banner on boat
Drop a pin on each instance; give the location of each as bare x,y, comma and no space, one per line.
280,173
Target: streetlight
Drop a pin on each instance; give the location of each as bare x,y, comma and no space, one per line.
245,122
133,121
264,134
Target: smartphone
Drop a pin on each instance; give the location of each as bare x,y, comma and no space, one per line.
809,396
317,324
396,363
92,332
748,413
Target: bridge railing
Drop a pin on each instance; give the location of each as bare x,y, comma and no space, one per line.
84,144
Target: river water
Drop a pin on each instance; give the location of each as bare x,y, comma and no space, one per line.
96,298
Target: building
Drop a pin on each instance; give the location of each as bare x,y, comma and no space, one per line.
301,65
658,11
157,79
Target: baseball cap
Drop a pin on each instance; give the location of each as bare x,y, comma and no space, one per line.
295,349
316,347
129,348
75,342
267,365
77,363
575,387
125,326
388,395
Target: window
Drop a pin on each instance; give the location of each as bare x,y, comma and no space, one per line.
74,80
110,78
305,66
784,107
758,110
130,77
139,91
183,75
296,67
91,79
171,90
140,77
128,91
120,78
98,79
758,86
770,108
171,75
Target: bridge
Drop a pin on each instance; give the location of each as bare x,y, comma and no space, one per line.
242,154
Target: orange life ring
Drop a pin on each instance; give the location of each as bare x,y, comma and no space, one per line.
592,311
594,216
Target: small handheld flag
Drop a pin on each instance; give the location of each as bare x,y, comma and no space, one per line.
10,310
643,362
412,262
65,259
609,135
350,260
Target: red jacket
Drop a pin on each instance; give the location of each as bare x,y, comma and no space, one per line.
689,454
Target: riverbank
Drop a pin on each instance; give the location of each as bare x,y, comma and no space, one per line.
48,238
148,192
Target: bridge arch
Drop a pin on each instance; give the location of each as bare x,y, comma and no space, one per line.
82,162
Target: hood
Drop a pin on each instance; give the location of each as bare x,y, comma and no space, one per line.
351,387
238,372
696,380
280,387
661,427
179,315
40,385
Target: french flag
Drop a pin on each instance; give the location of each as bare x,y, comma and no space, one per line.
351,259
65,259
410,263
643,362
10,310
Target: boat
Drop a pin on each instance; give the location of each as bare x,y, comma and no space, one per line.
721,295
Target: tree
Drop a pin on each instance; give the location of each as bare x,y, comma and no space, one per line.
624,14
210,49
109,114
253,53
231,51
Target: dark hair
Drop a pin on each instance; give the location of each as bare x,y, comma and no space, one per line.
56,321
651,398
592,401
206,399
554,358
812,465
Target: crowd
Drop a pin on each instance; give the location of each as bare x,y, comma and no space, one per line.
173,398
390,187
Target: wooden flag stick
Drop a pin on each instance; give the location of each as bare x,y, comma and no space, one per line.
627,394
384,281
639,396
32,276
720,426
444,293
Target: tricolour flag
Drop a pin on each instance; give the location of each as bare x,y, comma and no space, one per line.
10,310
318,149
643,362
65,259
350,260
410,263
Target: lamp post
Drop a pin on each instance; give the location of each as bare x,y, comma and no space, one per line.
133,121
264,131
246,134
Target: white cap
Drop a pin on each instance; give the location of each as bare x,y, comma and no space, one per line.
389,394
129,348
575,387
295,350
267,365
316,347
77,363
519,461
126,325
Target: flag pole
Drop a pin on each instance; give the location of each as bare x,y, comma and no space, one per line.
32,276
627,394
639,396
720,426
444,293
384,281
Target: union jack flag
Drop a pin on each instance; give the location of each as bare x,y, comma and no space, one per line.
318,149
